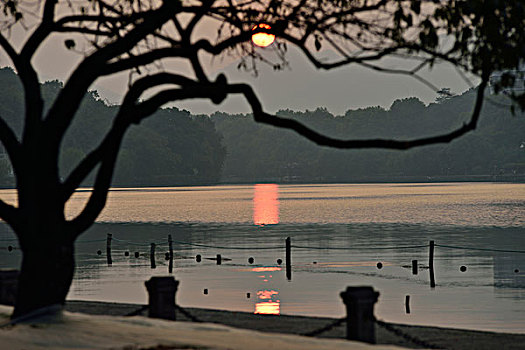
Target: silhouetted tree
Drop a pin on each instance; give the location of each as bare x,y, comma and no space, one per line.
135,36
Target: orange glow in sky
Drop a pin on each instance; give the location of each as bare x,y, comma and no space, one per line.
266,204
262,39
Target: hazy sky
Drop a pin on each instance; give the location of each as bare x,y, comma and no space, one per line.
304,87
300,87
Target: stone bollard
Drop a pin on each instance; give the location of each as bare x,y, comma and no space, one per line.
8,286
360,320
162,292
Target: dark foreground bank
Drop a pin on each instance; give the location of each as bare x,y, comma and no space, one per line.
402,335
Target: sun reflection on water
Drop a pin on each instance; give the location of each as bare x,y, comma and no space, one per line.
266,204
268,302
268,308
266,269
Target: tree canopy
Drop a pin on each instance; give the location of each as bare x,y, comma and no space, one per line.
261,153
172,148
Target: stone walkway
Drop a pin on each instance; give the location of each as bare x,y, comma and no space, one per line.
444,338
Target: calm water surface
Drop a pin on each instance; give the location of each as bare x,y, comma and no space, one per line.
339,233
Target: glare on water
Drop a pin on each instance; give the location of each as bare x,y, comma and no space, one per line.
465,204
362,219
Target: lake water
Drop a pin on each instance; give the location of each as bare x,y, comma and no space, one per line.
339,234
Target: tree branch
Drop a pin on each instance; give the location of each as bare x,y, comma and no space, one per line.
127,109
41,32
154,103
81,30
218,48
411,73
9,214
198,16
30,83
144,59
83,169
108,157
29,79
347,60
65,105
98,197
355,9
48,25
11,144
143,84
262,117
10,51
120,19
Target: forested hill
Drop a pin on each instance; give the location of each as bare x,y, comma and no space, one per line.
172,147
495,150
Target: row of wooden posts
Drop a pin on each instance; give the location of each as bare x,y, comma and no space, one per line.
152,253
288,259
359,303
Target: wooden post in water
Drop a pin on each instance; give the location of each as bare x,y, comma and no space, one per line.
431,265
288,259
108,249
407,304
162,292
219,259
360,320
152,256
414,267
170,245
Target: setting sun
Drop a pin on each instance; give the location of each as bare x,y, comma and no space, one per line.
262,39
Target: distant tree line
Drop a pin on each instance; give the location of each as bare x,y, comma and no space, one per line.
178,148
263,153
173,148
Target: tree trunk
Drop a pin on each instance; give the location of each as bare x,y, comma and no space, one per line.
46,274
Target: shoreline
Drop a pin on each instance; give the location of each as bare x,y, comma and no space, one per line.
445,338
377,180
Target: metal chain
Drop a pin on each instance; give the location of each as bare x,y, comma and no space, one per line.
178,307
318,331
187,314
325,328
138,311
406,336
